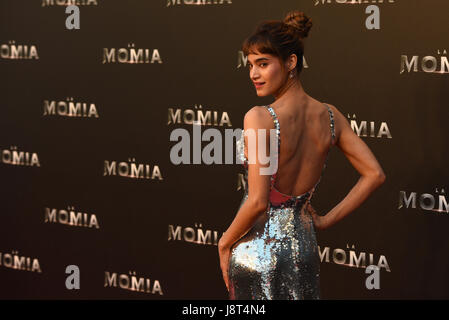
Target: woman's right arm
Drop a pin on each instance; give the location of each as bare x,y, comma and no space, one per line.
363,160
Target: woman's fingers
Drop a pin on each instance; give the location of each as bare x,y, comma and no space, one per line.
315,217
224,260
226,280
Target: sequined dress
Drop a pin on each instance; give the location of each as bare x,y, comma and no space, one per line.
277,259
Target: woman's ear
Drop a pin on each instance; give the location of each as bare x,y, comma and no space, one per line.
293,61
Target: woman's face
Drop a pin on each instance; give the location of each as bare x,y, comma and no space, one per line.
266,73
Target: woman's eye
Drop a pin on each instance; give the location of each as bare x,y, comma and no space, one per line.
262,64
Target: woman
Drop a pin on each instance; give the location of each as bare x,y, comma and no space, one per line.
270,250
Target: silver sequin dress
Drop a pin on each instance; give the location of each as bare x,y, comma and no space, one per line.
278,257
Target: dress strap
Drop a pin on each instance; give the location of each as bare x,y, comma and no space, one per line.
332,125
278,136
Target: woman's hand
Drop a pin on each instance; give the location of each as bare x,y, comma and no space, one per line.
320,222
224,251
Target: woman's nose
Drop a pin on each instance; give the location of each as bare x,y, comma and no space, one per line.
253,74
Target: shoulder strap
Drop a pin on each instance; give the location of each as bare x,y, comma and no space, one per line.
331,116
278,135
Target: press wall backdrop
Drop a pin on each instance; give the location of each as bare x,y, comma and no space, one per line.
87,184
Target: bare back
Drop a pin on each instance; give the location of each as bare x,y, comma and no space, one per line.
305,139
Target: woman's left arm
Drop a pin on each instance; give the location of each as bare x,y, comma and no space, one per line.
258,186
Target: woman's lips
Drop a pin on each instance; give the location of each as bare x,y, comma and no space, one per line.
258,84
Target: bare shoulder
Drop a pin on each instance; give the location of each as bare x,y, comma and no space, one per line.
258,117
354,148
340,122
335,111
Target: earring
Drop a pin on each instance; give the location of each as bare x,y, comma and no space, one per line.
291,74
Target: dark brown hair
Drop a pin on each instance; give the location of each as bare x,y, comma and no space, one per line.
280,38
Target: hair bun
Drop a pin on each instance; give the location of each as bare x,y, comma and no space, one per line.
299,22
